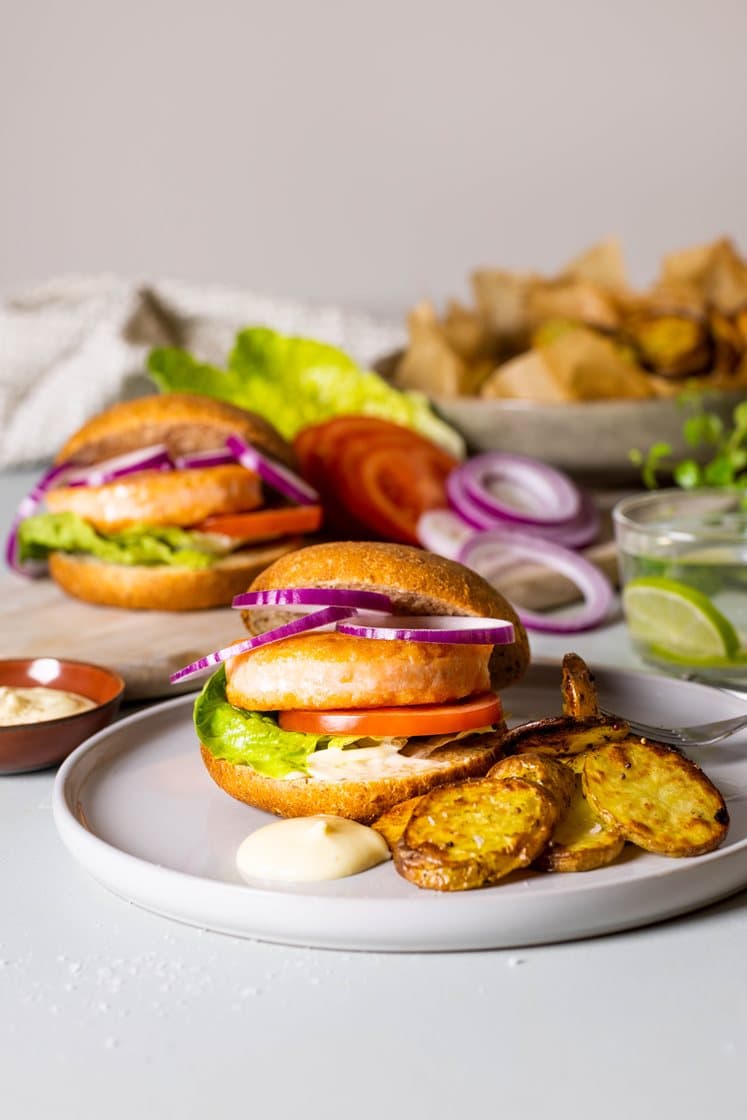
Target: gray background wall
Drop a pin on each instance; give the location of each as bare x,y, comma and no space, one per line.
364,153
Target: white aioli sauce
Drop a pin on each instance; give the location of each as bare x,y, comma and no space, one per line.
36,704
309,849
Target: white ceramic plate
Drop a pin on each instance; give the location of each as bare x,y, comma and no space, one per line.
136,808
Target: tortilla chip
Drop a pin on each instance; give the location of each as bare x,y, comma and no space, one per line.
578,365
501,299
602,265
716,272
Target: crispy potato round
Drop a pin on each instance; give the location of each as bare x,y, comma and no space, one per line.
557,779
393,823
580,842
474,833
655,797
577,688
564,735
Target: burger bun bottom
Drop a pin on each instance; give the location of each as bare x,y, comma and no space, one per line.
161,586
356,799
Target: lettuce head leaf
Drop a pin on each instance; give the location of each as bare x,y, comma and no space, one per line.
142,544
295,382
253,738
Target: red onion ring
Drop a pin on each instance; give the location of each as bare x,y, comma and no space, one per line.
288,630
554,498
463,630
285,481
574,533
443,532
27,508
485,554
154,458
303,597
215,457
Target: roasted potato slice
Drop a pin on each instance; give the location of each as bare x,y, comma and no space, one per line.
577,688
474,833
562,735
574,762
393,823
656,797
580,841
557,779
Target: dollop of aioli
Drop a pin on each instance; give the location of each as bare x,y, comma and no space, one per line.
309,849
36,703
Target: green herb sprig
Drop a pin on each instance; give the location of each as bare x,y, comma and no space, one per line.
725,468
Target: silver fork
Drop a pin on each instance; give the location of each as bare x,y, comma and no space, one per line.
700,735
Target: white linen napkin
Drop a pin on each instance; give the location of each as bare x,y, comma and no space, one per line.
77,344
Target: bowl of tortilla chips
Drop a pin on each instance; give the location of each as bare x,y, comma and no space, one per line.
580,368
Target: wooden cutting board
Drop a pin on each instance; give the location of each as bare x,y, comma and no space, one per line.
144,647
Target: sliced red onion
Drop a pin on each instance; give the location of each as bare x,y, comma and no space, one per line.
574,533
443,532
215,457
307,622
279,477
464,630
486,554
303,597
28,507
154,458
537,494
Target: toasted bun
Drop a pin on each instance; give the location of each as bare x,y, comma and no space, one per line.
358,800
185,422
162,587
417,582
328,670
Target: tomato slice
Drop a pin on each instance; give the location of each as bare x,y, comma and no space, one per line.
375,477
390,484
264,524
425,719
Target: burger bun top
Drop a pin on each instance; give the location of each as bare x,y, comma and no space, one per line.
184,422
416,581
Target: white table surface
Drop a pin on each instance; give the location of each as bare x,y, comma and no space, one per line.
110,1011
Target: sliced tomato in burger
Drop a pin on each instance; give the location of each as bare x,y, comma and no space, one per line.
264,524
424,719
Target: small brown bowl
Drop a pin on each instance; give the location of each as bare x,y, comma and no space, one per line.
35,746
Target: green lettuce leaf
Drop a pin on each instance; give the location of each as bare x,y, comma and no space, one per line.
294,382
142,544
253,738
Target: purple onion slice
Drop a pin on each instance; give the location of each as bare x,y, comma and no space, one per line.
443,532
487,554
576,532
462,630
279,477
27,508
154,458
215,457
533,493
301,598
301,625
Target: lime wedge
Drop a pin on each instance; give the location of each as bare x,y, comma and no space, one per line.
677,619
